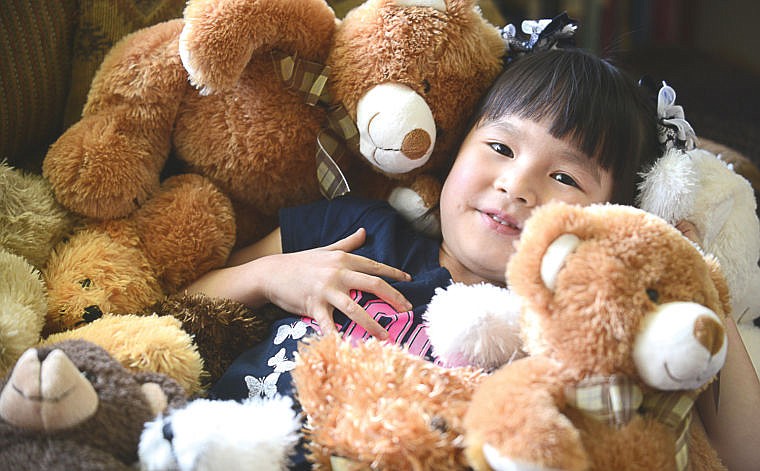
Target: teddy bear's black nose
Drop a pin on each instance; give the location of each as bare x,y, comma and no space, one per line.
92,313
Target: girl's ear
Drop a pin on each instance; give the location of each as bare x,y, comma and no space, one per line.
555,256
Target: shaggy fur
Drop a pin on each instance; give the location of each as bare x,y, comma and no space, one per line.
588,326
32,222
153,344
106,440
22,308
222,435
379,406
125,265
247,132
222,329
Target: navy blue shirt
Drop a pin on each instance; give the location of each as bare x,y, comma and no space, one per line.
264,370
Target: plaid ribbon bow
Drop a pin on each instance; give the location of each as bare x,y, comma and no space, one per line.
616,399
341,138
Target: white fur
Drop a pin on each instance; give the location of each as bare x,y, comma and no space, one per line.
384,116
225,435
474,325
699,187
411,206
554,258
667,354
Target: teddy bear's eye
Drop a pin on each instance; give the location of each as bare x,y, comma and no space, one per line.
90,376
425,86
653,295
86,283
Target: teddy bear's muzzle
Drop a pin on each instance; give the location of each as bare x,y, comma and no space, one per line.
47,392
681,345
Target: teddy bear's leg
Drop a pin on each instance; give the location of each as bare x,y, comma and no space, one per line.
187,228
108,163
215,57
514,421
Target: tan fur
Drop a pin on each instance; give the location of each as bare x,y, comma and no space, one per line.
379,406
252,137
123,266
586,327
151,344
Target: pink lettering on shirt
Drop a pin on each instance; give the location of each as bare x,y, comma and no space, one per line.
398,325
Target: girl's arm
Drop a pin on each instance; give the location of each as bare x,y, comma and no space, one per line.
311,282
733,424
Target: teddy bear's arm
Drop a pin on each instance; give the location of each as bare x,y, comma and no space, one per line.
220,36
515,416
108,163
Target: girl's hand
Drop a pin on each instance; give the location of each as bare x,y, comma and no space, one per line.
313,282
690,231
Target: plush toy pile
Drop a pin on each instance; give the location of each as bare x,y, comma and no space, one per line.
73,406
614,299
273,76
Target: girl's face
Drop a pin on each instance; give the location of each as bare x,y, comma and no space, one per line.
503,171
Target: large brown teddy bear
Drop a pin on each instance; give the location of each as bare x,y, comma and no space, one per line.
72,406
623,322
621,297
253,136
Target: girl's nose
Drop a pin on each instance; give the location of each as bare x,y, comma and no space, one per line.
518,186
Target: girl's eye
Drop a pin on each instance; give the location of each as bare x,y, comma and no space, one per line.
565,179
502,149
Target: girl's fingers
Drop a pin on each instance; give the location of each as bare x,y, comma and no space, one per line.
350,243
371,267
323,316
378,287
356,313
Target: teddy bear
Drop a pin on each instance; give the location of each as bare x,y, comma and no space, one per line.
122,266
598,287
412,70
31,223
700,187
623,323
206,435
71,405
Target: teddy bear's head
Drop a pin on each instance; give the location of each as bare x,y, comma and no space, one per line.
614,290
74,393
91,274
409,72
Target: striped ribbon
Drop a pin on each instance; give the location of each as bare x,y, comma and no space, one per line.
341,138
616,399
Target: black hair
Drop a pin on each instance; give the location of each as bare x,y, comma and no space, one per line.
586,98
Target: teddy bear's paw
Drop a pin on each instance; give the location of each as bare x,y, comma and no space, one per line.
412,208
104,167
498,462
484,318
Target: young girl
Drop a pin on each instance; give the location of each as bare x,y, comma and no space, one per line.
556,125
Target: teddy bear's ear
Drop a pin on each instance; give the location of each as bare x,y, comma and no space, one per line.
555,256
